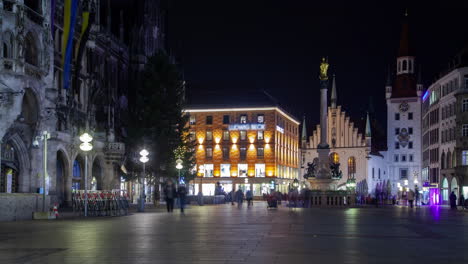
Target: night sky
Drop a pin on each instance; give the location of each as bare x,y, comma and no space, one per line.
277,46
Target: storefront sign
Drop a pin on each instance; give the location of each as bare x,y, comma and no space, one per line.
247,127
280,129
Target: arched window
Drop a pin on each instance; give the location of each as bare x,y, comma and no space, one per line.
10,171
334,158
31,52
454,159
445,194
405,65
442,161
7,45
351,166
449,160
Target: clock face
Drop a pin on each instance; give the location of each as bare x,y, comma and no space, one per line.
404,107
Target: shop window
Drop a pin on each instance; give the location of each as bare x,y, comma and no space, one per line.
209,170
259,170
225,170
242,170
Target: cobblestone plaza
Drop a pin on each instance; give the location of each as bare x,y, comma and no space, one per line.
227,234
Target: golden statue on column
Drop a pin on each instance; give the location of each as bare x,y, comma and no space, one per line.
323,70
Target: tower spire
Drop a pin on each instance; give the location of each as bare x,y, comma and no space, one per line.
368,127
333,93
304,129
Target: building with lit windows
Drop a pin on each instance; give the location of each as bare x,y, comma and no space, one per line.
253,146
445,134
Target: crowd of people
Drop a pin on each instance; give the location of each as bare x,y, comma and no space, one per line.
294,198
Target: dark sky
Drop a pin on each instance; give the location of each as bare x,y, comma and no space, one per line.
277,46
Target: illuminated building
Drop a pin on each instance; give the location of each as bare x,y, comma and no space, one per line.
255,147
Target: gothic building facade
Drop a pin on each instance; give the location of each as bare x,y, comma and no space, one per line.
33,99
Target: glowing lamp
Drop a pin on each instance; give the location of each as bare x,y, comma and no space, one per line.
86,146
217,140
86,138
144,152
179,166
200,140
144,159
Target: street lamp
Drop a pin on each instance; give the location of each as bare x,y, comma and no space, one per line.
179,167
295,184
143,159
86,146
44,137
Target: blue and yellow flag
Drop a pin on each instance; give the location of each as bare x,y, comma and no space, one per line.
69,15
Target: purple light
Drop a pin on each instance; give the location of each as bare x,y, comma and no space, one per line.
426,94
434,195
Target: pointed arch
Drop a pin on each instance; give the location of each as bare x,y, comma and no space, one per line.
21,156
442,161
449,160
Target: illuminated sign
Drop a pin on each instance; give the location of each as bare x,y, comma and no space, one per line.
247,127
426,94
280,129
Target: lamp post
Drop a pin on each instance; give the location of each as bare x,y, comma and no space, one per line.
86,146
179,167
44,137
143,159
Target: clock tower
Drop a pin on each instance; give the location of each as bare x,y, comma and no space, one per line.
404,119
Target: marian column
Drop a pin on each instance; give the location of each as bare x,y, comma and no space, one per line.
323,148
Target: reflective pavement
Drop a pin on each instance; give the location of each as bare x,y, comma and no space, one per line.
227,234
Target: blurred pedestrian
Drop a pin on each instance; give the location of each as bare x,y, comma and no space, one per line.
239,197
411,197
249,197
170,193
182,194
453,201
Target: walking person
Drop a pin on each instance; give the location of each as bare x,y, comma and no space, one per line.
249,197
170,193
182,194
411,197
462,201
453,201
231,196
239,197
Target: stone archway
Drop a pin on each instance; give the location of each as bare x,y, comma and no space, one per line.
445,191
19,161
97,174
62,177
77,179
